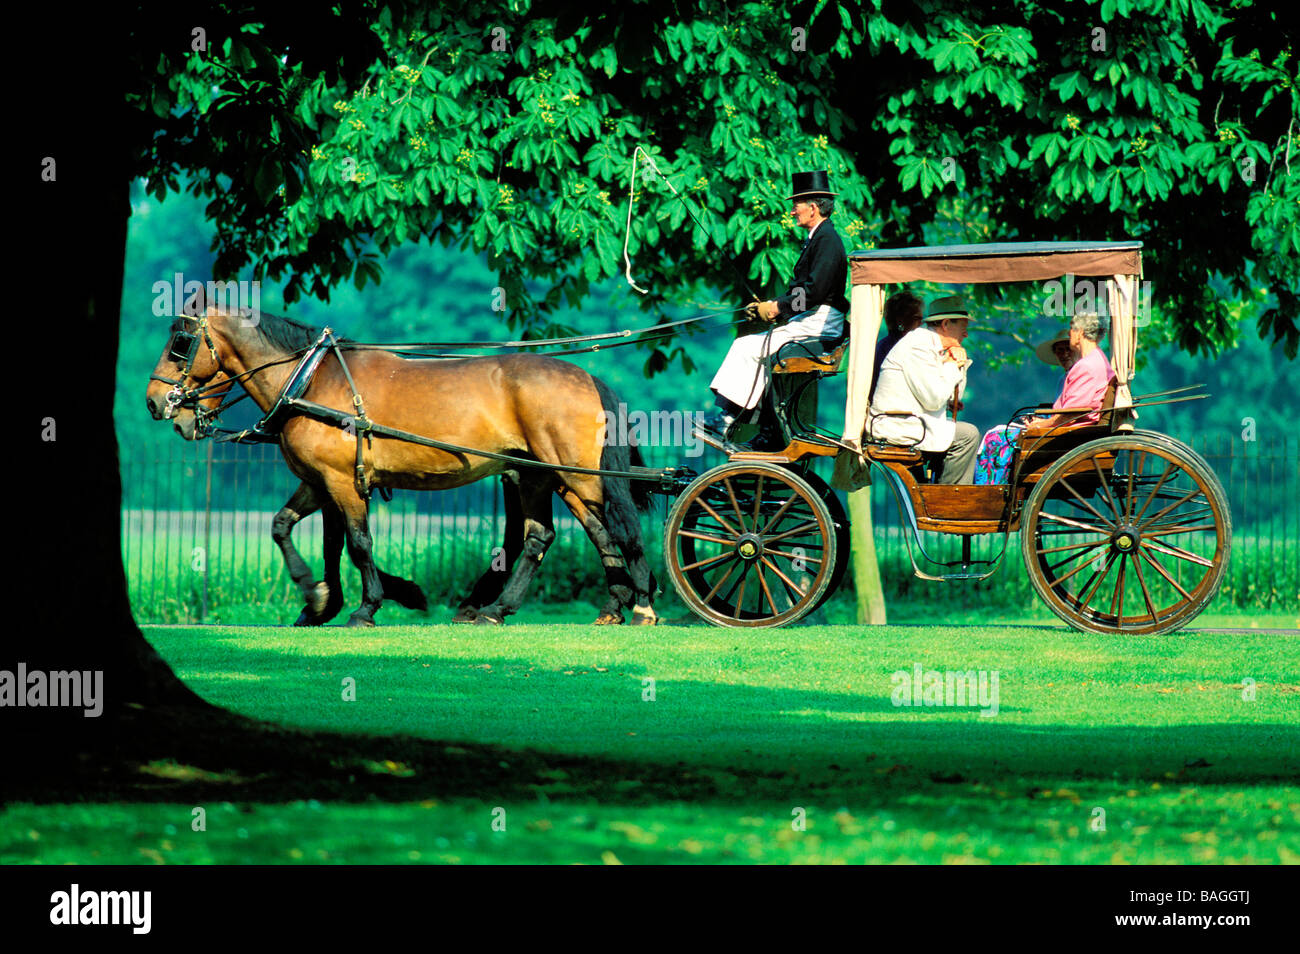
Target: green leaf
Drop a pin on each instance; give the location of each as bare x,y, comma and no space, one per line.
1065,84
910,174
1054,149
942,54
1116,189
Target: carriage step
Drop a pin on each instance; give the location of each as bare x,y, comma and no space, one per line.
946,577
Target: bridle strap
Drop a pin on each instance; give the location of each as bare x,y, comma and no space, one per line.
181,396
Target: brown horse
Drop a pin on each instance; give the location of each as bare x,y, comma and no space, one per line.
521,405
323,599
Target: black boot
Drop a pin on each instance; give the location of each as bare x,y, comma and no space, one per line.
769,438
715,429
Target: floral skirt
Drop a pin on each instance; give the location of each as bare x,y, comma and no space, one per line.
994,462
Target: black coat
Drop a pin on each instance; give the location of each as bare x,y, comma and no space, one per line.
821,272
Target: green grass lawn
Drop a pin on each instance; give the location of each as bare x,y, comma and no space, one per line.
765,746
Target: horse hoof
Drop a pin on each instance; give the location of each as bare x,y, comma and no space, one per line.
644,616
319,598
486,619
466,614
360,621
608,619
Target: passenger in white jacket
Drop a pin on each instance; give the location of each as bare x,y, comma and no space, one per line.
922,375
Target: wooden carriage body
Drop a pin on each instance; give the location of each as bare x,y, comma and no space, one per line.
1135,498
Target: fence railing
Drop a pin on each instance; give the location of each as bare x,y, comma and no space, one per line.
196,537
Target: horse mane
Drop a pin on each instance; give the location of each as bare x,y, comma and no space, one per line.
285,333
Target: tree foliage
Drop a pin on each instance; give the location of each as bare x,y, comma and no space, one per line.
509,128
1170,121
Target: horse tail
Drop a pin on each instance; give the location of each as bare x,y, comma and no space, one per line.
623,499
620,456
642,495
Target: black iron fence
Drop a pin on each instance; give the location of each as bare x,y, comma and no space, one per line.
196,537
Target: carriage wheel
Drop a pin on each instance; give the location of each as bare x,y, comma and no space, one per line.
751,545
1127,534
843,540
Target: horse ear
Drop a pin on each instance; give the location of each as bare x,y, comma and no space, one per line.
196,306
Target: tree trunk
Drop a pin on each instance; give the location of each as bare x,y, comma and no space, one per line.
866,569
71,601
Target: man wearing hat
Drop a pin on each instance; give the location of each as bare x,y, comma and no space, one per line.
1056,350
921,375
812,309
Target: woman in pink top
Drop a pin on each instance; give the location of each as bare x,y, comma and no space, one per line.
1086,381
1085,385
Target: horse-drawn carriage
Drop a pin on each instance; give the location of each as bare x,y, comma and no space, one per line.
1122,530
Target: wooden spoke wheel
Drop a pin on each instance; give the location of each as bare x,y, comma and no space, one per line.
751,545
1127,534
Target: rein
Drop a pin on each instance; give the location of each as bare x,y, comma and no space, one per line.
401,346
290,398
188,397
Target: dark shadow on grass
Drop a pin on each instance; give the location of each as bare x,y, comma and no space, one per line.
188,756
192,756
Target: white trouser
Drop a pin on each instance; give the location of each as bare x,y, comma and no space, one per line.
743,377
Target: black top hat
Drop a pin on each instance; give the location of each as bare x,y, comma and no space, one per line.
811,183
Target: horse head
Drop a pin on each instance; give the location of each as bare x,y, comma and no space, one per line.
186,385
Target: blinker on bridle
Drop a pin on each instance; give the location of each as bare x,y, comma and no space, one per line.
183,349
184,346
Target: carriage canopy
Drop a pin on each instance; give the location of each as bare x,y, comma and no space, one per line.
1119,263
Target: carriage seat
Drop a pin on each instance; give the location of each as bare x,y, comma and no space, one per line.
809,357
904,455
1105,419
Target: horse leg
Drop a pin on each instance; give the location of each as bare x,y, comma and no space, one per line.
625,530
406,592
305,501
332,521
617,580
614,508
356,528
539,531
489,586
